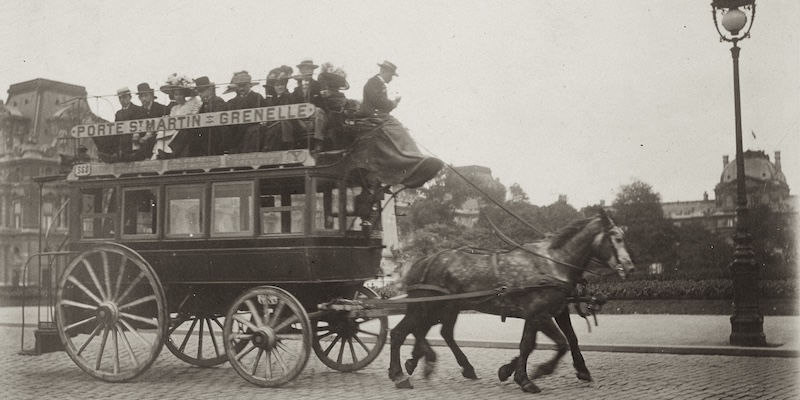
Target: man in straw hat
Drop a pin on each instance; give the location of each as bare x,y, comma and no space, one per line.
112,148
376,101
242,84
216,136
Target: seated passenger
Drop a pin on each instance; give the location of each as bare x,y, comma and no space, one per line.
172,143
113,148
214,137
332,81
143,143
278,135
308,91
242,84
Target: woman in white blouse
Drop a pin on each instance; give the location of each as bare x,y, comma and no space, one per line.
181,90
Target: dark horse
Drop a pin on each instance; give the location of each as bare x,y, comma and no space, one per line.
540,277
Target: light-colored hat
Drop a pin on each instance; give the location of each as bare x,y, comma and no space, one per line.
179,82
389,66
240,78
307,63
123,91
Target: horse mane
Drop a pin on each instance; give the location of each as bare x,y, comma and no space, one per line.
566,233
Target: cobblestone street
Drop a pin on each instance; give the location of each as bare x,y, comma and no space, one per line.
616,376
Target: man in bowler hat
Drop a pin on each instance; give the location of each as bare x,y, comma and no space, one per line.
143,143
308,91
242,84
376,101
214,137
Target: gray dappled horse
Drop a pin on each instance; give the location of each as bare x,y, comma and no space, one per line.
545,273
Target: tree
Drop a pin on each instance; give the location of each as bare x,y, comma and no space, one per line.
773,237
699,248
650,236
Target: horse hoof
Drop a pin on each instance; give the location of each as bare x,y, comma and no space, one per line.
584,376
410,366
430,368
470,374
504,372
530,387
404,383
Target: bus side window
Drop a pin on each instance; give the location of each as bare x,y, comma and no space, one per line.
140,211
232,202
185,211
326,204
282,202
98,213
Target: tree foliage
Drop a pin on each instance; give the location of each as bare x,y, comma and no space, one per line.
650,237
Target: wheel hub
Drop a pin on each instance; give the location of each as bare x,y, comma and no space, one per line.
346,328
265,338
107,313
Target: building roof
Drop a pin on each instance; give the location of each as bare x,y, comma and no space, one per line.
688,209
756,166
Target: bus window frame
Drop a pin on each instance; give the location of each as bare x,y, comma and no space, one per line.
159,211
202,208
111,216
252,220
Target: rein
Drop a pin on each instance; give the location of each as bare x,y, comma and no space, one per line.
512,243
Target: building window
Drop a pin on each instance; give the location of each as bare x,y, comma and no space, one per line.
231,210
16,221
47,215
185,211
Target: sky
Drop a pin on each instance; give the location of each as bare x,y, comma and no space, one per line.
569,98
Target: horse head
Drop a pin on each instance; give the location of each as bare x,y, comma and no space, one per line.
609,247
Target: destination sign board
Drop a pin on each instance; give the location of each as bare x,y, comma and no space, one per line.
219,118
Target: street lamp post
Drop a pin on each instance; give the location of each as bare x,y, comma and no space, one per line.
747,322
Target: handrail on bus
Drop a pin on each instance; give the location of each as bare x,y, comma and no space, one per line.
54,255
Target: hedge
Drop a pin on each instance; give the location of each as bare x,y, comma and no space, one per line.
689,289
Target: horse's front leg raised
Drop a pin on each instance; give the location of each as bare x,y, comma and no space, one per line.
526,346
549,328
565,324
398,335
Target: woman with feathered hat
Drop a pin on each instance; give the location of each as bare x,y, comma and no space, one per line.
173,143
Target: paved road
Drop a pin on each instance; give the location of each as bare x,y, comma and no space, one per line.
617,376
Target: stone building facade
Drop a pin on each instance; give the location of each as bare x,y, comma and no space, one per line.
34,125
765,184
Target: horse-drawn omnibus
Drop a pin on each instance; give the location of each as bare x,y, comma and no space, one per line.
260,258
221,258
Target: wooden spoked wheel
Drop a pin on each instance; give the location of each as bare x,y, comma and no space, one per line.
349,344
267,336
196,337
110,312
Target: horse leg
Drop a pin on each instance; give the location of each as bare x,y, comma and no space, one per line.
398,336
549,328
448,326
416,354
506,370
430,355
526,346
421,346
565,324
